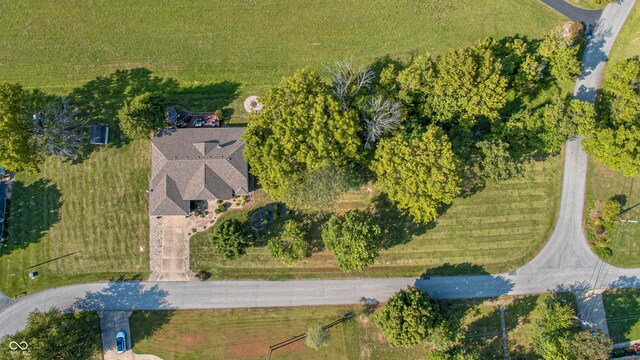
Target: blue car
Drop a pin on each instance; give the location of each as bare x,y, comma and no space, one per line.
121,342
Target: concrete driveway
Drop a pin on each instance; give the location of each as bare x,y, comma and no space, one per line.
111,322
169,248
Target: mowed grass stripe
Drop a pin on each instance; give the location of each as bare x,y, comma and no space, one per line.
496,230
102,216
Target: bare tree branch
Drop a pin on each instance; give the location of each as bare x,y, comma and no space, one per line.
383,115
347,80
56,131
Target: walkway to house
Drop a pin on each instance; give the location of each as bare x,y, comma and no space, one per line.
168,249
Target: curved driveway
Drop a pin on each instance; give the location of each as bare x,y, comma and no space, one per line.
565,263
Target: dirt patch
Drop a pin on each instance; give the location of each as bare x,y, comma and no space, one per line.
248,349
365,353
191,339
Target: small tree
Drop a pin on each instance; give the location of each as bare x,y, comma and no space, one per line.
407,318
317,337
553,330
142,115
496,164
230,239
291,246
561,51
353,240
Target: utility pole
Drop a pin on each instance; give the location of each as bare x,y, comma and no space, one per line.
505,352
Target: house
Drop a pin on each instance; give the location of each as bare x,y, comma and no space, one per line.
196,164
99,134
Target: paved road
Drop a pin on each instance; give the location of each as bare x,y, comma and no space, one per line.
588,17
565,264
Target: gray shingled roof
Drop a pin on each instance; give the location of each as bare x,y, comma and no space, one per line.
196,164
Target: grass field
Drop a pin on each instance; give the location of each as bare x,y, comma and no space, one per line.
94,211
247,333
586,4
603,184
59,46
210,54
623,314
498,229
628,41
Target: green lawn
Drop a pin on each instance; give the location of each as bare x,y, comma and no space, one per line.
586,4
498,229
248,333
628,42
603,184
59,46
94,210
210,54
623,314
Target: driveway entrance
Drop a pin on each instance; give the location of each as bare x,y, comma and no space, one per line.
169,248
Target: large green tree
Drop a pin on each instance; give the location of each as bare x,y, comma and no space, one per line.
407,318
301,126
418,171
16,124
616,139
142,115
469,85
54,335
354,240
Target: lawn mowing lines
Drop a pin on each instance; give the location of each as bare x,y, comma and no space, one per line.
506,220
480,232
444,249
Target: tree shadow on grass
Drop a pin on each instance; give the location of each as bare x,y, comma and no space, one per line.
397,226
623,313
99,100
33,209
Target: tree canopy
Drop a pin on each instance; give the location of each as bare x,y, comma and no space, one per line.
407,318
230,239
16,149
418,171
556,336
54,335
561,50
300,127
142,115
290,246
616,139
354,240
317,336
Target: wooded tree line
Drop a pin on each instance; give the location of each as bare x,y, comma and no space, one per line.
428,130
34,125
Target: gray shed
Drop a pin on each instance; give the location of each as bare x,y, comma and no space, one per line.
99,134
